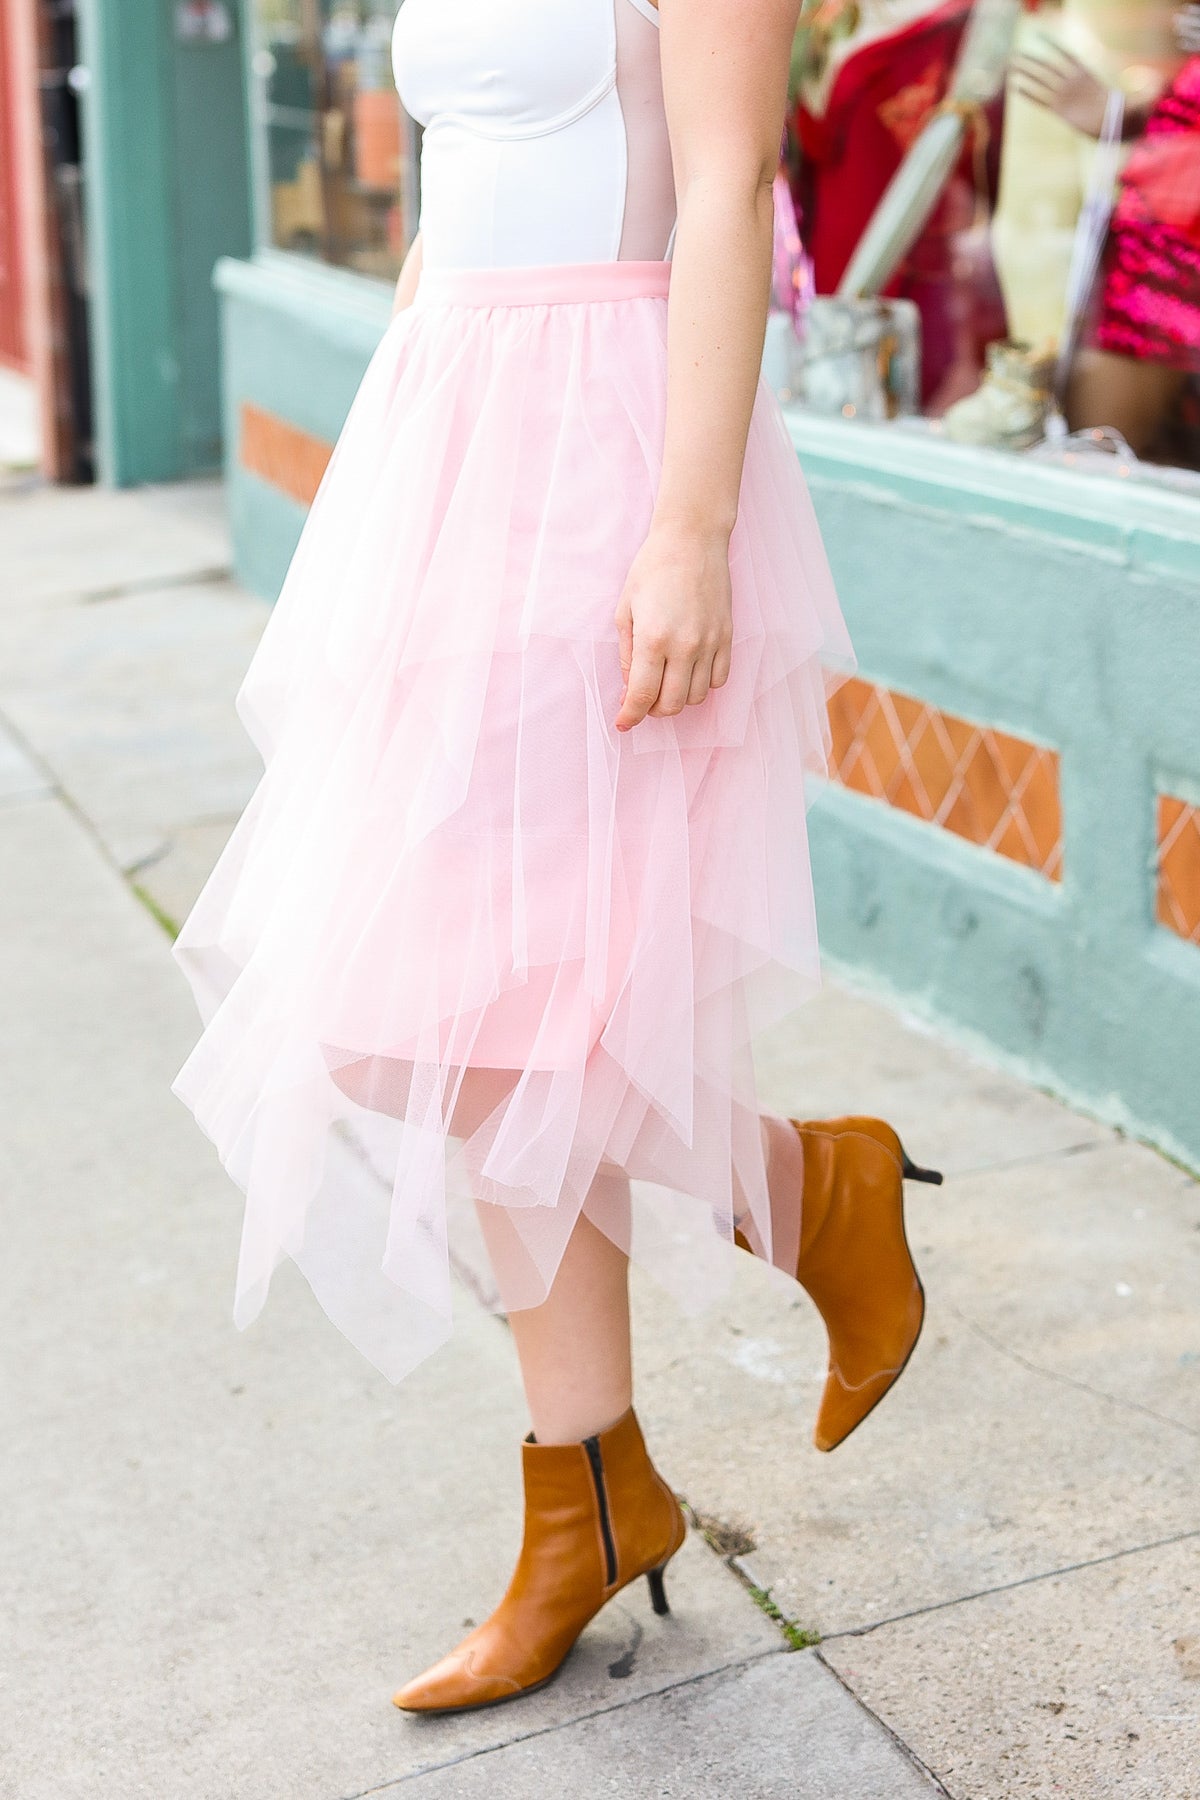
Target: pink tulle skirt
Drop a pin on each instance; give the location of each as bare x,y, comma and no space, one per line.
471,957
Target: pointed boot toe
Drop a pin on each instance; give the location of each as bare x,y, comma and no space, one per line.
844,1403
455,1684
597,1515
856,1265
431,1692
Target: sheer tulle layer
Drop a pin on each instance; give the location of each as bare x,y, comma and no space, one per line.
467,940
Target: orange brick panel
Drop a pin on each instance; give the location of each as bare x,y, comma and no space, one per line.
290,459
1179,867
995,790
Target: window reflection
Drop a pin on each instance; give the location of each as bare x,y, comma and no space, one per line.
1039,261
1000,204
340,152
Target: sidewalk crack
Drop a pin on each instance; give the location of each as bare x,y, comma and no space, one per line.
1008,1587
1086,1147
1071,1381
883,1725
596,1712
205,575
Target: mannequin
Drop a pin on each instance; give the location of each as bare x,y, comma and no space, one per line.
1143,338
862,99
876,19
1044,164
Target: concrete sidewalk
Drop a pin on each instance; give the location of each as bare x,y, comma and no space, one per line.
222,1552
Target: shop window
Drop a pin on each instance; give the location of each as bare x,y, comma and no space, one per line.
339,151
998,209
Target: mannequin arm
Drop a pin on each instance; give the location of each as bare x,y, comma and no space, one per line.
1063,85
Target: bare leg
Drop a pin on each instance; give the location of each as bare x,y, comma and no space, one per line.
574,1349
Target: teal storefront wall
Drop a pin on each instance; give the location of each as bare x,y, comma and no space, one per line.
1064,609
1061,608
167,194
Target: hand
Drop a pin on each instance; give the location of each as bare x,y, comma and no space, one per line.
1187,28
1064,86
674,623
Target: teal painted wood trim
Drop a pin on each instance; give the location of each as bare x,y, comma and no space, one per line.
129,151
297,337
1139,523
345,311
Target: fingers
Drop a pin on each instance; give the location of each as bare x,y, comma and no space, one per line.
688,675
709,672
676,686
1046,74
1064,87
659,687
1032,68
1036,79
1051,56
701,682
664,672
642,686
1036,96
625,638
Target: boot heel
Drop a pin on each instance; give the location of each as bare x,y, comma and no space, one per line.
658,1592
912,1173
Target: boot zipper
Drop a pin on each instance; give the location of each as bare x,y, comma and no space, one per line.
592,1446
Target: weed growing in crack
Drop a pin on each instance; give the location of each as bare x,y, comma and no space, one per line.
170,926
732,1540
728,1537
797,1637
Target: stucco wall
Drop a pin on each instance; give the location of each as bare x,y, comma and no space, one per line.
1065,609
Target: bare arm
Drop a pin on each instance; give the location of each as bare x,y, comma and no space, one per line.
410,269
725,69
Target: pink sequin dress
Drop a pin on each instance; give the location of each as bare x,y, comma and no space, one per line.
1149,305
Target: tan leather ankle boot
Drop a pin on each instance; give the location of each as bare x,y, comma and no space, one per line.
856,1265
597,1515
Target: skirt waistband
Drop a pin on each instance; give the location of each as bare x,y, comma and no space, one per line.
543,284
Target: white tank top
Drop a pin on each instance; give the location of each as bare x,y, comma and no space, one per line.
545,138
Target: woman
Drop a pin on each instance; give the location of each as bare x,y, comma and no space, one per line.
1144,335
527,867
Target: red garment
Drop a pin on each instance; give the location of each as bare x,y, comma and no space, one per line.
881,98
1150,300
1161,181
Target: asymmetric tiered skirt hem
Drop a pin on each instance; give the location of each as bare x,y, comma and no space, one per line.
468,943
